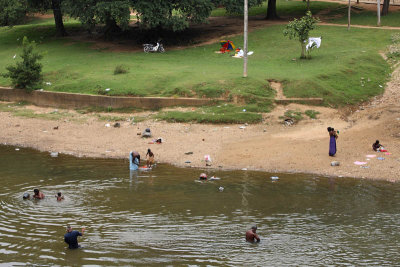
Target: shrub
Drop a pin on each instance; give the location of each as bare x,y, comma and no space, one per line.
120,69
28,73
12,12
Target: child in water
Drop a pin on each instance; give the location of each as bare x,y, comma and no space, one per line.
59,196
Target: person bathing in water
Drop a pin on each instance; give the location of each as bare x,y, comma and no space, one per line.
59,196
150,158
251,235
37,194
134,160
71,237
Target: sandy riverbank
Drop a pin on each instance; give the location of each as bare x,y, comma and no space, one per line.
270,146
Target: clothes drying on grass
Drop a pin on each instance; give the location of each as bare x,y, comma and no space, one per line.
313,42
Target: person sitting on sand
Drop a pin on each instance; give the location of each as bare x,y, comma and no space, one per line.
150,158
377,146
37,194
251,235
59,196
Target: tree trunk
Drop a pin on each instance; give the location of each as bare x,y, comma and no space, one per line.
308,5
58,18
271,10
348,16
303,50
111,28
385,8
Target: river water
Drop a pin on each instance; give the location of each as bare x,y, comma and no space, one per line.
165,217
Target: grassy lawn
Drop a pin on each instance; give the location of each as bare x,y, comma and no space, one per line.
346,69
367,17
284,8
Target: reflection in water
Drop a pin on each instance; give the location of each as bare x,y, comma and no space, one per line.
163,217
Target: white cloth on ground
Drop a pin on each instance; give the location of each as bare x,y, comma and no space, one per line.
312,40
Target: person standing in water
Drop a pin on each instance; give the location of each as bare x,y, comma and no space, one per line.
59,196
37,194
71,237
150,158
251,235
332,141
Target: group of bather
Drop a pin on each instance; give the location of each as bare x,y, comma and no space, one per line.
39,195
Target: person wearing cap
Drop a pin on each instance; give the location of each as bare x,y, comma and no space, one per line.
37,194
251,235
71,237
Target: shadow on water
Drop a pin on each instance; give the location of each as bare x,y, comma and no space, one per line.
165,216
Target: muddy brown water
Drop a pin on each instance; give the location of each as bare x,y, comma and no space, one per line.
166,217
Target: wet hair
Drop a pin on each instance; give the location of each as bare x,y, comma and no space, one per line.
36,191
254,227
59,194
26,196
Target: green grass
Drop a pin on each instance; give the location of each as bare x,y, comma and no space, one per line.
295,115
216,114
366,17
283,8
312,114
334,72
18,109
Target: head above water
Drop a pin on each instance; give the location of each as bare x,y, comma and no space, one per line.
69,228
36,191
254,228
59,194
26,196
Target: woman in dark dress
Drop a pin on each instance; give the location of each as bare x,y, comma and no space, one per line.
332,141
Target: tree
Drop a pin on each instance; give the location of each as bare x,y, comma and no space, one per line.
300,29
115,15
271,10
172,15
55,6
385,8
28,73
12,12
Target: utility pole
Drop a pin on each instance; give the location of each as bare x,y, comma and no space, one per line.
246,18
348,16
379,12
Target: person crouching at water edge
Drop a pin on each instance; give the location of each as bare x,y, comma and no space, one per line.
134,160
251,235
71,237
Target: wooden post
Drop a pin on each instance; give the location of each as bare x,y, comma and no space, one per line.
348,16
379,12
246,12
